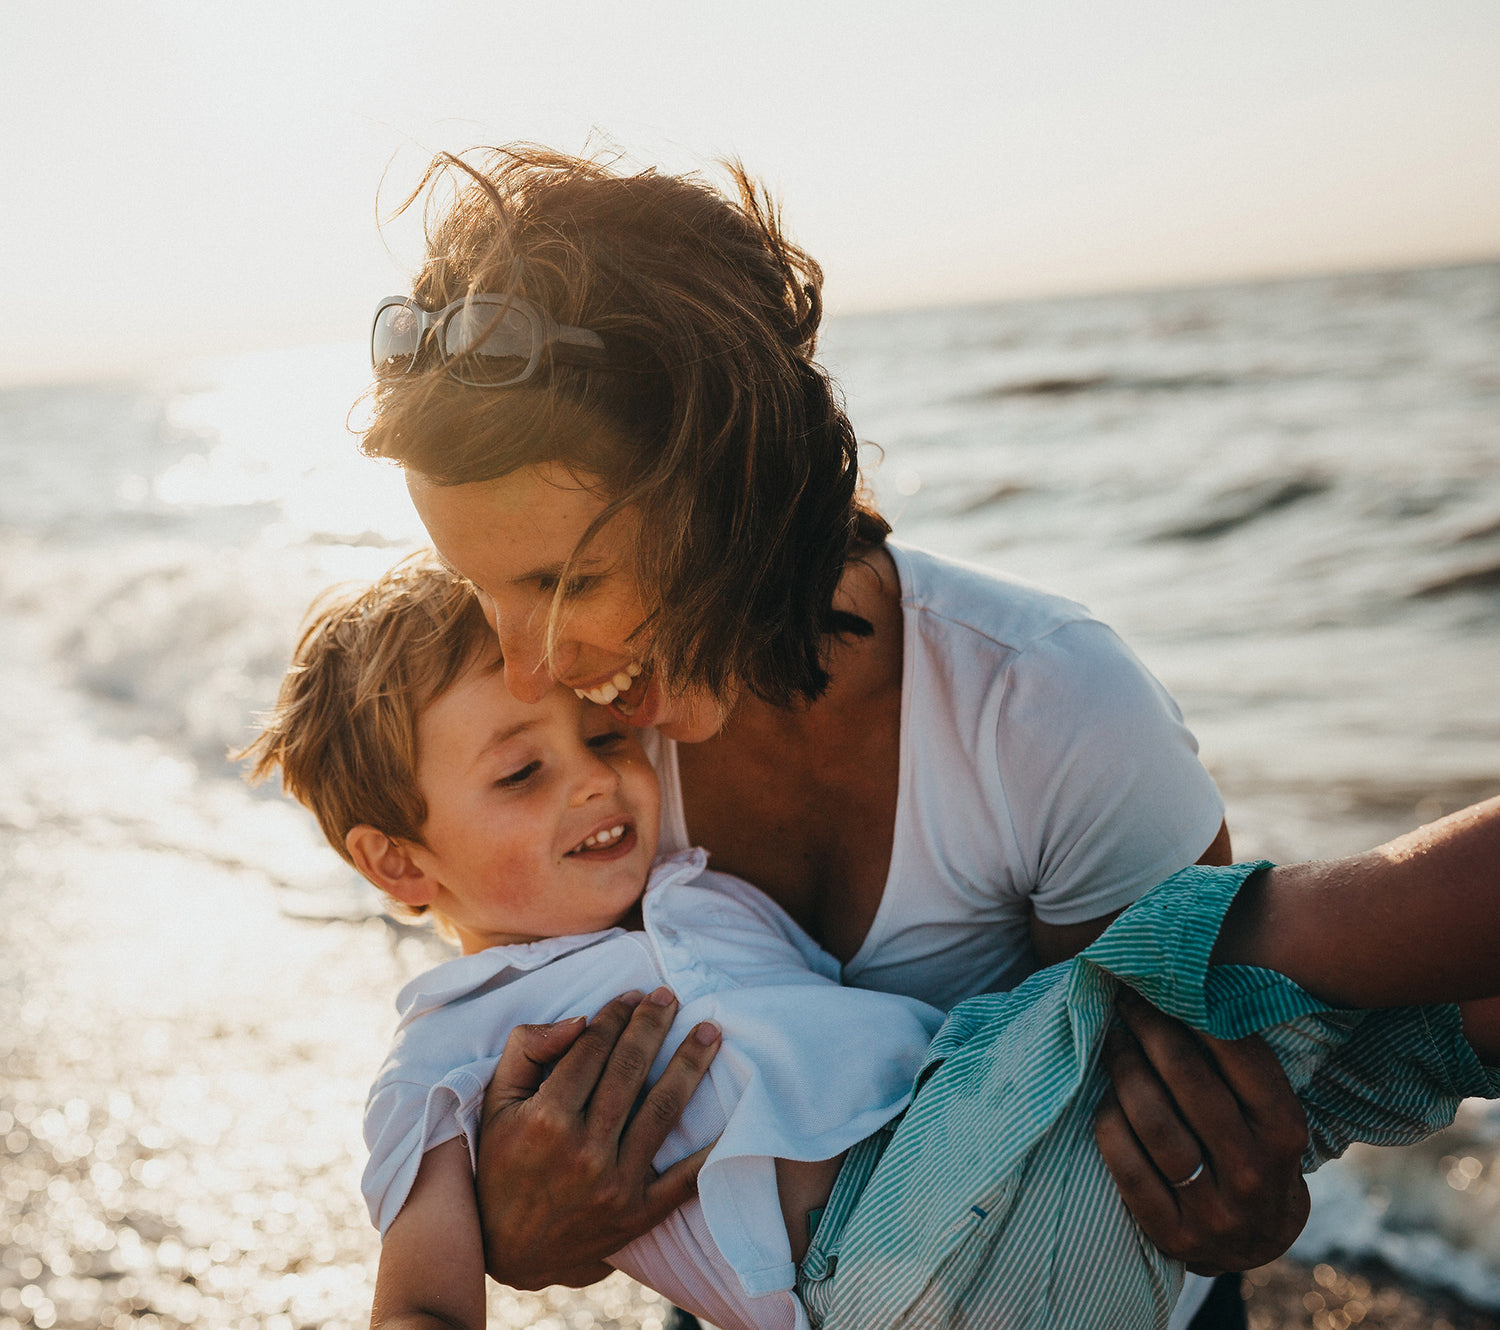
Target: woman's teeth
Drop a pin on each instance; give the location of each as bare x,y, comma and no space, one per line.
602,838
605,693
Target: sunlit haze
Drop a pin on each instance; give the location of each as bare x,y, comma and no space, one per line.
181,178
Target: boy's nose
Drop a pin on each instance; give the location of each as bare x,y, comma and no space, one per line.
596,777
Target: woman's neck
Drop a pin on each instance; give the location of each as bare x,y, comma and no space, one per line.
801,801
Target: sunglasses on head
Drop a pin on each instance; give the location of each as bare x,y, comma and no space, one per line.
490,341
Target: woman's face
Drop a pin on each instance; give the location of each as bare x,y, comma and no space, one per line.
512,538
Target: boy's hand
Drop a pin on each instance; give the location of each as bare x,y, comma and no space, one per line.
564,1171
1204,1139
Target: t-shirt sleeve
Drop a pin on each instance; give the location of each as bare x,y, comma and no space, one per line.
404,1120
1106,794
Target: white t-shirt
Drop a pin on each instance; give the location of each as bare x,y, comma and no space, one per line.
807,1069
1042,768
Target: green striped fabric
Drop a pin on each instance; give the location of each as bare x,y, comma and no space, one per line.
990,1206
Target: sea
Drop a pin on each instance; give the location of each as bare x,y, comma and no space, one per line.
1284,495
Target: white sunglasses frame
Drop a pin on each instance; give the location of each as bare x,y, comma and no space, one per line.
567,345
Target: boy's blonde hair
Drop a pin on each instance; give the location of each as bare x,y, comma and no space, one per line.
369,662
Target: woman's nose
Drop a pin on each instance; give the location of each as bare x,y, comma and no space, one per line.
525,667
523,649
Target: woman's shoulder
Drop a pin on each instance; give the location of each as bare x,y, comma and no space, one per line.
978,640
945,593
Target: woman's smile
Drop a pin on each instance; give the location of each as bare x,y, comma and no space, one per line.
515,538
611,689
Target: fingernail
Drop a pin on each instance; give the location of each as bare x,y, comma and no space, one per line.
632,998
662,997
707,1033
571,1020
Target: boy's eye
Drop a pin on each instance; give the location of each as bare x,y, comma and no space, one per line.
609,739
520,776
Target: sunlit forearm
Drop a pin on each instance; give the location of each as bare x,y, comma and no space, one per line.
1415,921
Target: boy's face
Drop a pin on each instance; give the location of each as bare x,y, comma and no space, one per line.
541,816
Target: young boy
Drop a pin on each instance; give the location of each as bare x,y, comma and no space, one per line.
529,831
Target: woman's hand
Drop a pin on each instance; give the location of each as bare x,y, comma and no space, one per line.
1204,1140
564,1170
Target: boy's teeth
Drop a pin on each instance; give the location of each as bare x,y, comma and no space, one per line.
621,681
602,838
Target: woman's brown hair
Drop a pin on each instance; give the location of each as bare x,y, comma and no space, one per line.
710,417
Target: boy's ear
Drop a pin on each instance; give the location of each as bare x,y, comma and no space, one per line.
388,864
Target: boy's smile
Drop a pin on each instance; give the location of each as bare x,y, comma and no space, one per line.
541,816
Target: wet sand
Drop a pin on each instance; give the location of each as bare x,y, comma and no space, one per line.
1288,1295
182,1069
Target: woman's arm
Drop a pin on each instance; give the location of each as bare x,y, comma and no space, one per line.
565,1176
1416,921
431,1260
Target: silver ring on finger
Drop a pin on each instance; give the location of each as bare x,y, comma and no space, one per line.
1191,1177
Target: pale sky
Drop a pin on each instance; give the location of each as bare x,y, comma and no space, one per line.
180,178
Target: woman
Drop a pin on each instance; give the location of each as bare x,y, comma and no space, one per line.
603,395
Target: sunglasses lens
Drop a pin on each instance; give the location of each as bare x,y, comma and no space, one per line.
394,339
495,342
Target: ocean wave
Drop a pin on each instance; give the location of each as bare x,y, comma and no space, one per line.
1073,385
1484,577
1431,1211
1234,508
